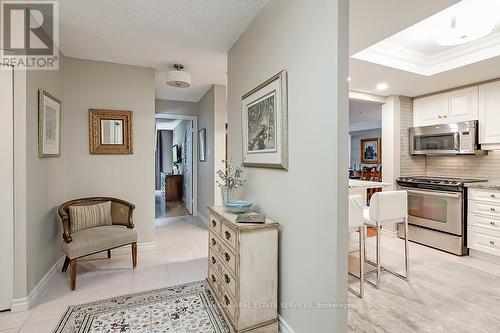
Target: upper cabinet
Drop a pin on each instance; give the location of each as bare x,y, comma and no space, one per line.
489,115
450,107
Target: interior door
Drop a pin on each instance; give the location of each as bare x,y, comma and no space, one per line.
7,182
188,167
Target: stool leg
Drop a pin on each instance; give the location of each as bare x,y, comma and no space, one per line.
379,266
407,261
362,248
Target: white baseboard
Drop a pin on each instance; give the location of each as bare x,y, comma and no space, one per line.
389,233
283,326
25,303
202,218
141,247
484,256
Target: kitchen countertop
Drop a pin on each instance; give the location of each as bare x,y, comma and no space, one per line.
489,185
355,183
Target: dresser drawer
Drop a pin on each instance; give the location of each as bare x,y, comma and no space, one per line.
213,240
228,258
215,224
484,195
484,208
490,223
484,240
229,305
214,263
213,277
229,236
228,281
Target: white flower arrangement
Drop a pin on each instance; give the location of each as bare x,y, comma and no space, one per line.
231,177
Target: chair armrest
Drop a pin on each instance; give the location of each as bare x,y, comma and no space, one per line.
65,223
122,213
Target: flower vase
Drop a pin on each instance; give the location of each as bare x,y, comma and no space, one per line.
225,193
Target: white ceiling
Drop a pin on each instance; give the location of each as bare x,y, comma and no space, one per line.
157,34
373,21
415,49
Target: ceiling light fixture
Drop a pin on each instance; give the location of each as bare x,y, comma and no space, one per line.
178,78
382,86
465,27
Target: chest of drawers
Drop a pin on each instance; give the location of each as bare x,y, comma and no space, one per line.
243,272
483,221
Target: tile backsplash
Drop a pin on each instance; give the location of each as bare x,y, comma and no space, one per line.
474,166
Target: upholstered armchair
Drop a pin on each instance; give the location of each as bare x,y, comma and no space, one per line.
86,241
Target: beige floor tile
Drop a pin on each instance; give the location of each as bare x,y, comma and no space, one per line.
10,320
46,326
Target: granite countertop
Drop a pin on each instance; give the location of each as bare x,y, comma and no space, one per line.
355,183
489,185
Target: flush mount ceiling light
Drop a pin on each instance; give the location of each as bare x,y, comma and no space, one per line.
465,27
178,78
463,34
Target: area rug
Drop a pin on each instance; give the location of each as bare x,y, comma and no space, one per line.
442,296
187,308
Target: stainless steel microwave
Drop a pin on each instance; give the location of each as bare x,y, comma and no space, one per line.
445,139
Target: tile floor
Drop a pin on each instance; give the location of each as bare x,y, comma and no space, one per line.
180,257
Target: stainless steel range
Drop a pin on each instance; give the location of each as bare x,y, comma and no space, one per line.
437,212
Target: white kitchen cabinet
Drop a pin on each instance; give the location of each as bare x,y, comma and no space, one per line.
455,106
489,115
428,110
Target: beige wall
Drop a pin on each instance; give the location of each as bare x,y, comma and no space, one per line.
93,84
45,182
206,172
310,200
176,107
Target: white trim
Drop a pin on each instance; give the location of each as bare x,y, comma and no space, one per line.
283,326
389,233
484,256
141,247
194,179
25,303
202,217
361,96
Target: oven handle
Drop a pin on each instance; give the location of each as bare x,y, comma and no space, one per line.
436,194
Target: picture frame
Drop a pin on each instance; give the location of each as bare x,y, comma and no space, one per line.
49,125
110,131
265,124
202,144
371,151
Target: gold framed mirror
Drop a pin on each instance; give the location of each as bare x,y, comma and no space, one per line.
110,131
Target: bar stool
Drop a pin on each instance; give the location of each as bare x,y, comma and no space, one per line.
356,224
390,207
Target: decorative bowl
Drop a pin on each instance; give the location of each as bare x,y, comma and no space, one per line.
238,206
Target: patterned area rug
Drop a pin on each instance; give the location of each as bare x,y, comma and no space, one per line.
188,308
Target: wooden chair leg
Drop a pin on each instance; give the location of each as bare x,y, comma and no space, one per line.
109,254
66,264
134,255
72,272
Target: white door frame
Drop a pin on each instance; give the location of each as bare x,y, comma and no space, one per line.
7,197
194,180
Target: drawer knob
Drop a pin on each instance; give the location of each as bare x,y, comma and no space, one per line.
213,260
213,278
492,209
213,241
440,117
214,223
227,256
493,195
226,300
445,116
492,242
228,235
226,278
492,223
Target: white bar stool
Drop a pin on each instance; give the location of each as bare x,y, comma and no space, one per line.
390,207
356,224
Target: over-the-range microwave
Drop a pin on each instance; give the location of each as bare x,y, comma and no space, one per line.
446,139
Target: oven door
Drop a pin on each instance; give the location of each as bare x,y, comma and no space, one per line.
436,210
435,143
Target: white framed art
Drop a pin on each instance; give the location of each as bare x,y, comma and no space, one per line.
265,124
49,125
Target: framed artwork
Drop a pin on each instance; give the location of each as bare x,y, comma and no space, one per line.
371,151
110,132
202,144
49,125
265,124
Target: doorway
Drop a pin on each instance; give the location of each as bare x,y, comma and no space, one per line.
175,170
7,181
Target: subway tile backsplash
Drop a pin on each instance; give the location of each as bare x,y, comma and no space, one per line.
484,167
